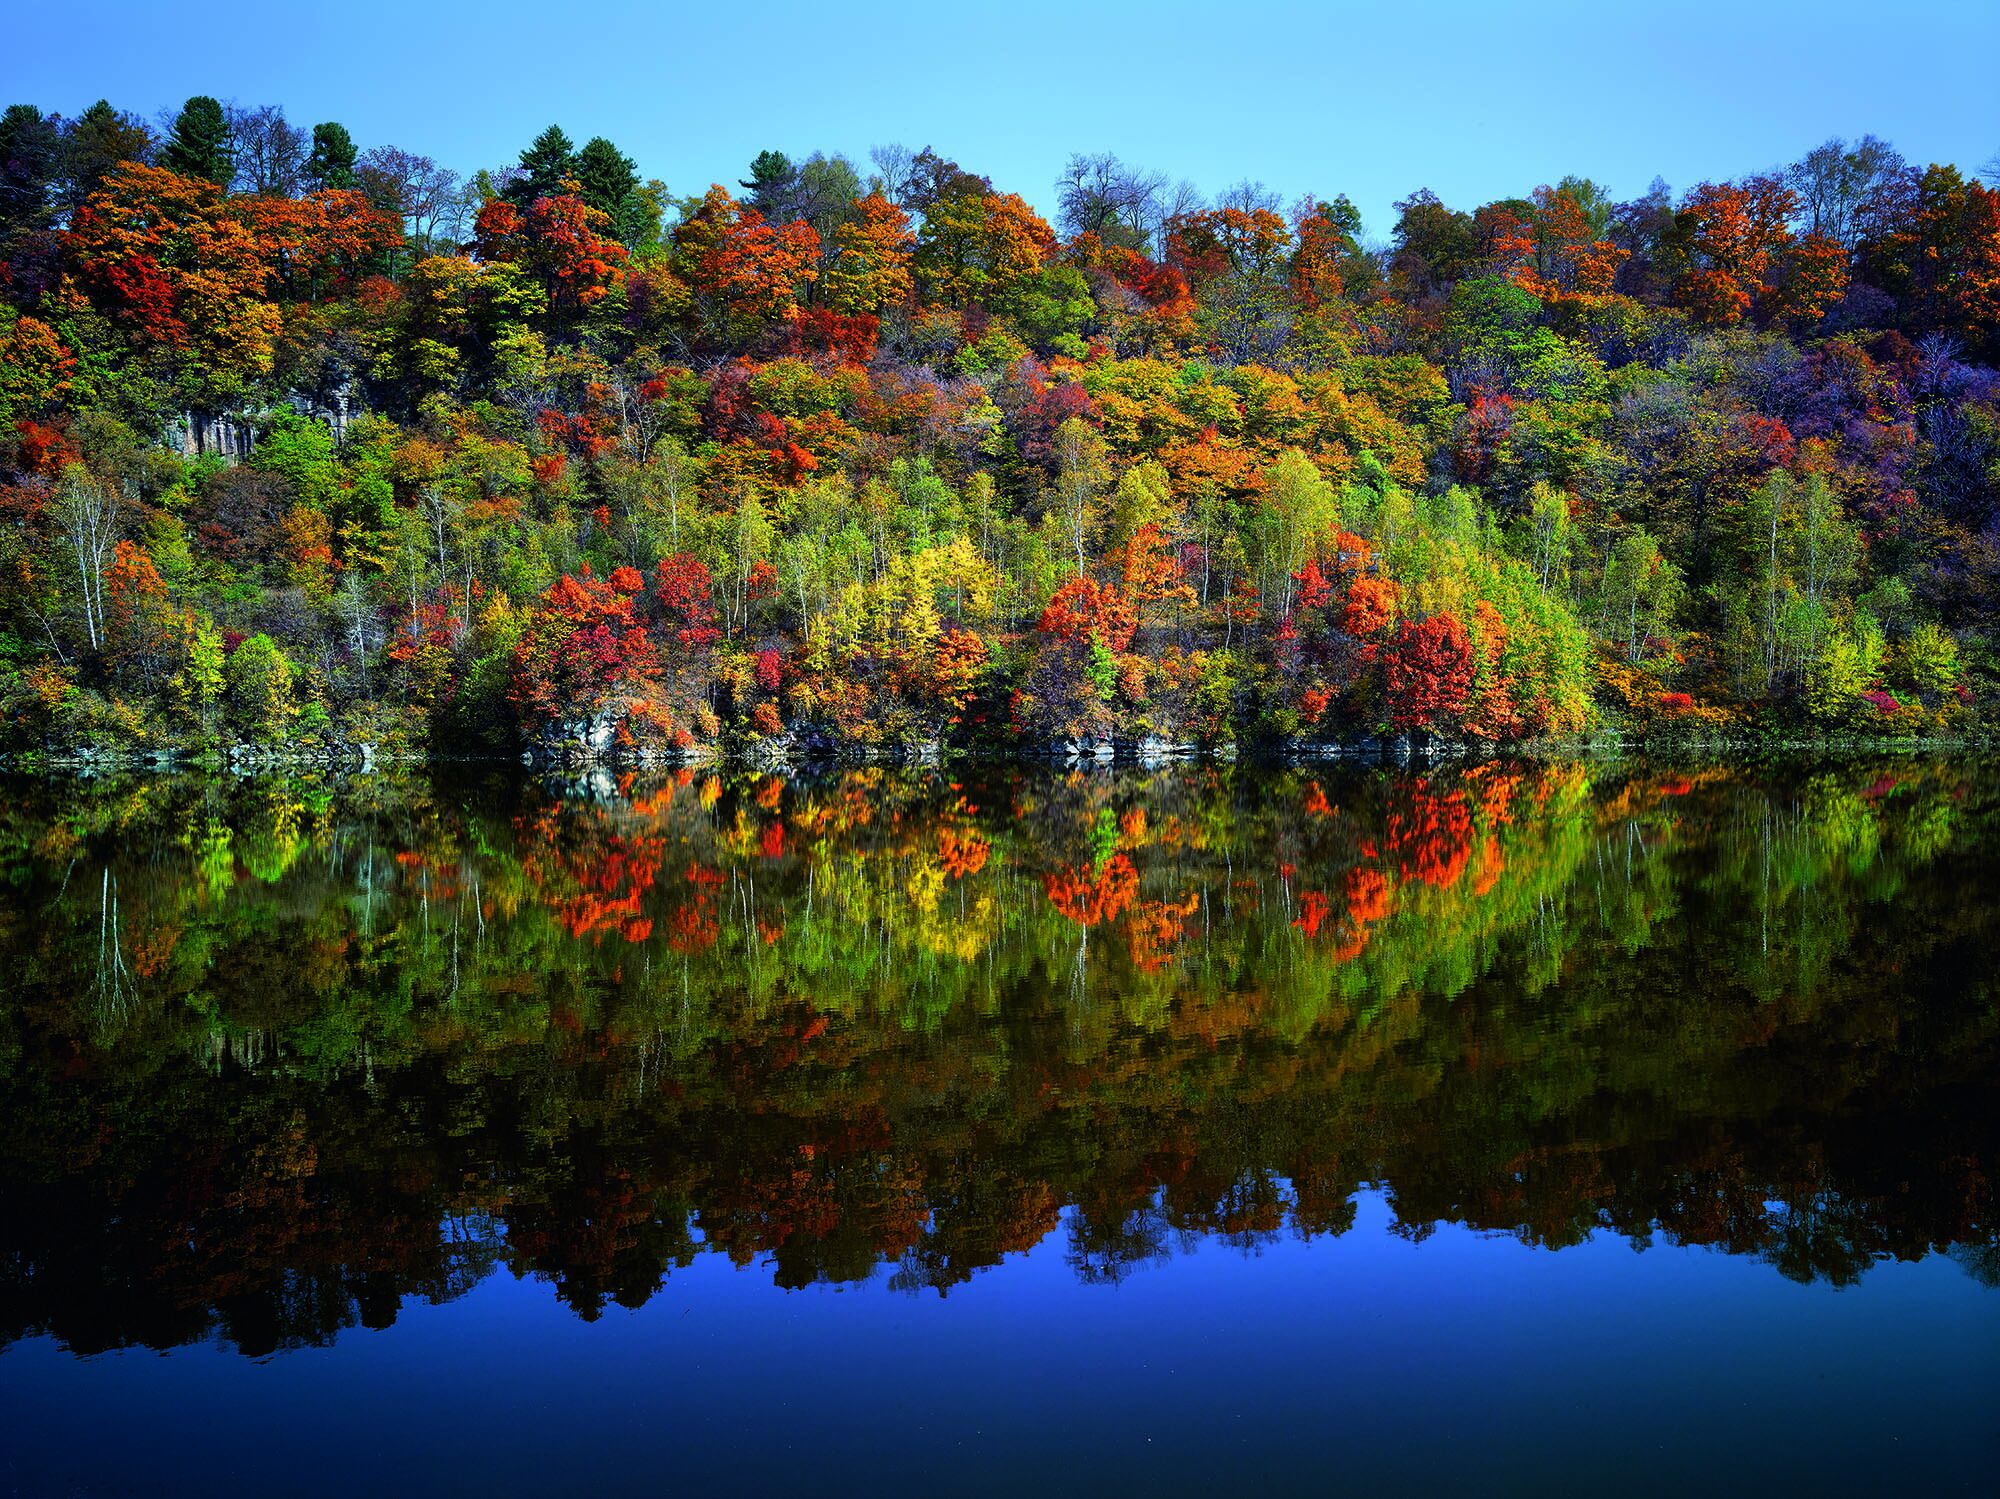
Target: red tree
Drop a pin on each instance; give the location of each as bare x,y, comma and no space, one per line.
1428,669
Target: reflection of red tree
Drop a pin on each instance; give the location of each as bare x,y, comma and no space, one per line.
694,926
1088,897
593,879
1431,836
1314,908
1490,865
1154,930
1367,895
961,854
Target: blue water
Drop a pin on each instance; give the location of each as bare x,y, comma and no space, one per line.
1364,1362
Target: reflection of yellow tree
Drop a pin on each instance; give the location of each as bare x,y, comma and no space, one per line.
864,1049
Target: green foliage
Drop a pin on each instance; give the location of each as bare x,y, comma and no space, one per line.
200,144
331,164
1240,452
257,690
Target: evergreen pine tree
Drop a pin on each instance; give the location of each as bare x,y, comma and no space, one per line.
545,166
96,141
772,183
607,174
331,164
29,144
200,145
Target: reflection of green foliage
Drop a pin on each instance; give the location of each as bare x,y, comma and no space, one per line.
865,1016
215,864
1103,837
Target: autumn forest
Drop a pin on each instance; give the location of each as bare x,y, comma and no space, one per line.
313,448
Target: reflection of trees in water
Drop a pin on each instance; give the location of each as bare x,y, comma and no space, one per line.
291,1056
1106,1246
112,992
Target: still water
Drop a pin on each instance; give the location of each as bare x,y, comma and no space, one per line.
1510,1127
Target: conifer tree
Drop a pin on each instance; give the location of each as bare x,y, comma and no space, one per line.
607,174
331,164
200,144
545,167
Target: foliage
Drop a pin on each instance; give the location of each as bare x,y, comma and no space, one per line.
1191,471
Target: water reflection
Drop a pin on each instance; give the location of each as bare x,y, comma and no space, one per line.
280,1055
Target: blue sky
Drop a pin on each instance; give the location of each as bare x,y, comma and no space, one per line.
1474,100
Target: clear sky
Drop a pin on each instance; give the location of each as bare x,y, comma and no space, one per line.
1475,100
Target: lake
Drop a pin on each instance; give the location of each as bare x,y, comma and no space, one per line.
1511,1126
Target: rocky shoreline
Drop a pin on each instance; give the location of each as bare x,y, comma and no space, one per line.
803,750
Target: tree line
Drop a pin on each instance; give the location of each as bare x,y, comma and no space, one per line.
841,456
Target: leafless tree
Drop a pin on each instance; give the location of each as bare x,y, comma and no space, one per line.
270,152
429,197
894,174
1835,182
112,990
1250,197
1098,194
1176,202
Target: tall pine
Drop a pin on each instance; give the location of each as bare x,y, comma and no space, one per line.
96,141
545,167
199,145
331,164
606,173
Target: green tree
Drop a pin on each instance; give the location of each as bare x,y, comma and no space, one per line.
200,144
545,166
1928,660
331,164
96,141
770,183
257,686
30,150
607,175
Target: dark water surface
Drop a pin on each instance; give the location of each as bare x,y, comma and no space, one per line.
1519,1128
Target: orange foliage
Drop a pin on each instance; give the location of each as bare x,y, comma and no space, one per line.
1371,606
1088,896
1084,608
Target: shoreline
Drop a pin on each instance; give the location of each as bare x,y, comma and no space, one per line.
248,762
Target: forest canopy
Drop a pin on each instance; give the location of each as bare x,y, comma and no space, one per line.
308,443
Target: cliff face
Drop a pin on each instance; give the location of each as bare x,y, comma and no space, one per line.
229,438
232,436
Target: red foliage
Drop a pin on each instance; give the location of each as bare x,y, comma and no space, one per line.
961,854
1488,421
850,338
1314,587
1084,608
1428,668
749,268
686,591
44,450
581,649
562,241
1371,605
1432,836
1314,908
1088,896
